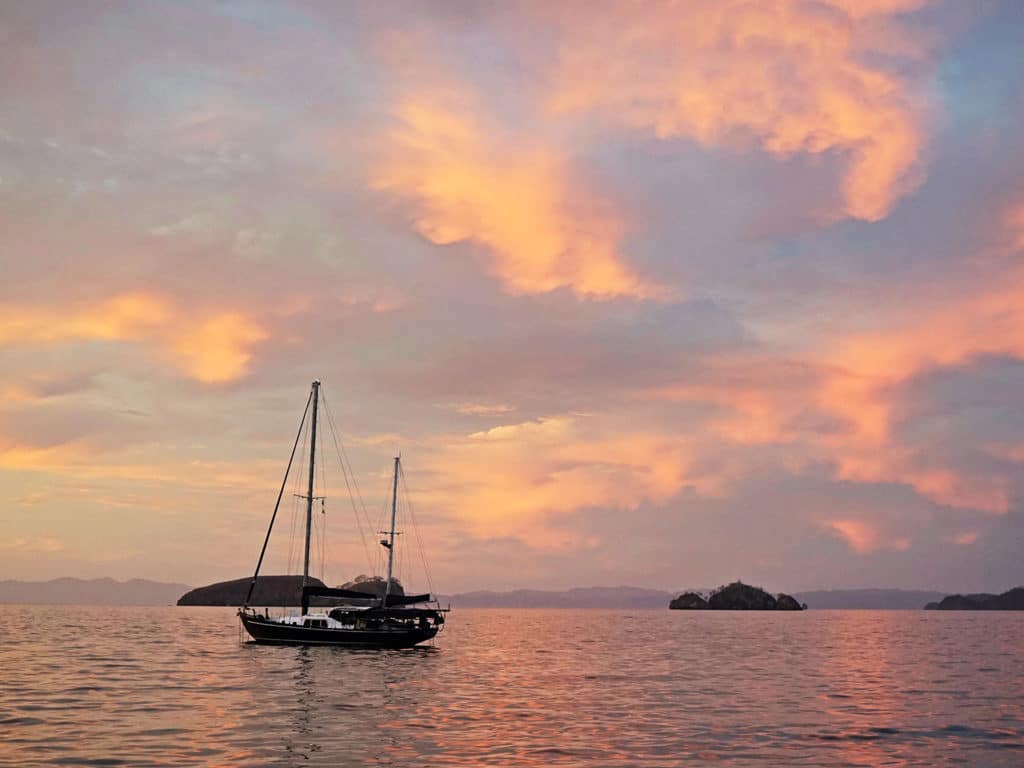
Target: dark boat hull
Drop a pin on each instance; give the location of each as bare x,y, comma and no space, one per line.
274,633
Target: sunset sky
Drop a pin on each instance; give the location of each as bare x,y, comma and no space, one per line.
660,294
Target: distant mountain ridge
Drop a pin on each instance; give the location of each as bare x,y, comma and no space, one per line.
578,597
106,591
876,599
70,591
639,597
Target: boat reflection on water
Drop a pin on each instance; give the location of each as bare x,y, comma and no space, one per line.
357,719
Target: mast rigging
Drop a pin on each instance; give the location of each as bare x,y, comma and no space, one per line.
360,621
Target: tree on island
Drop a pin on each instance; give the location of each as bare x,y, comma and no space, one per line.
373,585
689,601
736,597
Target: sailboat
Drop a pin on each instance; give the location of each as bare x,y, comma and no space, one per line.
358,619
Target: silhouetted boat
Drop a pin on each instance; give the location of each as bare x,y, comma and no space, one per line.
376,621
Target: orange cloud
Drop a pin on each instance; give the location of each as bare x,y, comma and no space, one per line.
842,404
15,393
1006,451
966,538
515,199
213,347
864,536
92,467
483,409
126,317
32,544
20,457
1015,225
986,493
219,349
507,480
792,76
865,367
753,413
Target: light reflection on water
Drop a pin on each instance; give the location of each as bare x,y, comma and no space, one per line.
173,686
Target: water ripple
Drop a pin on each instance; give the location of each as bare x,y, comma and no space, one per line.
173,686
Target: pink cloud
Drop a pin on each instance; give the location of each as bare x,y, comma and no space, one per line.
208,346
794,77
864,536
514,197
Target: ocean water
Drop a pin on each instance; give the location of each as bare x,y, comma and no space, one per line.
174,686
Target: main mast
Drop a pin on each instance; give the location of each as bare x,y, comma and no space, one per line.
309,497
390,544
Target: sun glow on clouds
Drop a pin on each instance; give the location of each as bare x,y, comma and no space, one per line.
32,544
845,404
793,76
483,409
1014,223
572,149
514,198
863,536
20,457
125,317
219,349
510,480
966,538
787,76
839,402
866,368
209,347
753,412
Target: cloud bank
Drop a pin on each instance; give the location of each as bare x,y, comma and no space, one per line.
664,294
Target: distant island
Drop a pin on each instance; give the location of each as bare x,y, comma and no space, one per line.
277,590
269,591
69,591
1011,600
736,597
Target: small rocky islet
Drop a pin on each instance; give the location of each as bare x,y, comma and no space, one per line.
736,597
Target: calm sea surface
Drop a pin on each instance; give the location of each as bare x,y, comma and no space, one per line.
173,686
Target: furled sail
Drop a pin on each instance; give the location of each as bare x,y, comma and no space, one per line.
350,594
407,599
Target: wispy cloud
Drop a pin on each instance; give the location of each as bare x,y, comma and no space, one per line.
670,291
25,545
864,537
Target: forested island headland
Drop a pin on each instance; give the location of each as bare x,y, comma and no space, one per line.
277,590
736,597
1011,600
